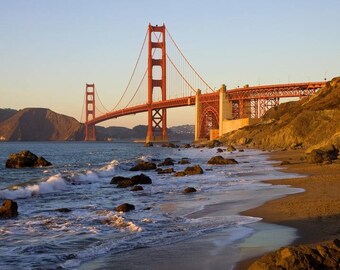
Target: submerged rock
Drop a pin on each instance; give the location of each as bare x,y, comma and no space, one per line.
184,161
137,188
25,159
189,190
9,209
125,207
63,210
219,160
144,166
180,174
124,182
165,171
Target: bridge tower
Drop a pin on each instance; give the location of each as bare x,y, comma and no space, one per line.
90,129
157,127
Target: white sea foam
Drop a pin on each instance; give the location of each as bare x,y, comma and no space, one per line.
52,184
108,170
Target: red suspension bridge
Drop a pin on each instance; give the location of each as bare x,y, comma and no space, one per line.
170,81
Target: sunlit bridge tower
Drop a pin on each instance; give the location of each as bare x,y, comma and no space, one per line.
157,128
90,129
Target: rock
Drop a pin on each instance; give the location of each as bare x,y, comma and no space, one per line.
231,148
148,144
180,174
323,155
144,166
63,210
25,159
325,256
285,162
9,209
125,207
189,190
167,162
214,143
241,150
219,160
125,183
141,179
118,179
170,145
184,161
219,150
137,188
165,171
295,146
187,145
193,170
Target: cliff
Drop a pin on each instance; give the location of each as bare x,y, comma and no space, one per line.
312,122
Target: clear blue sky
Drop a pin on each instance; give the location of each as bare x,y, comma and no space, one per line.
50,49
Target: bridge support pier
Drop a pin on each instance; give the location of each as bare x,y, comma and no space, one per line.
157,128
90,130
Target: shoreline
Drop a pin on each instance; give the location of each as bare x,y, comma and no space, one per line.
314,213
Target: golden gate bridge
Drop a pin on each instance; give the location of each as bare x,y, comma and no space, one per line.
166,79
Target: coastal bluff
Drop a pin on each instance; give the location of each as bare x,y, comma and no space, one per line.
310,123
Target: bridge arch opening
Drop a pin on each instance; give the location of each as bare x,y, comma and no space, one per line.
209,120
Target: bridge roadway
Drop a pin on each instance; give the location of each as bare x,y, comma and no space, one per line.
253,92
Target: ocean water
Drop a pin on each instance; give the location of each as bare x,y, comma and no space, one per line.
79,179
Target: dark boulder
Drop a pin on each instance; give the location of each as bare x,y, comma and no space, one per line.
324,155
137,188
189,190
219,160
180,174
25,159
118,179
125,183
165,171
219,150
184,161
125,207
144,166
141,179
9,209
193,170
167,162
187,145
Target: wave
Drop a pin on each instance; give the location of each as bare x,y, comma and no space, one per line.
52,184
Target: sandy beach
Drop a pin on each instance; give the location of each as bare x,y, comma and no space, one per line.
315,213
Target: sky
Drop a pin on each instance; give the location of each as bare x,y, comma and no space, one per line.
49,49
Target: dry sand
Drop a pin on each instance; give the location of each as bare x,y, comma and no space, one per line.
315,213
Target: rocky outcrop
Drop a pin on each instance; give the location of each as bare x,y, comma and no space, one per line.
125,207
219,160
144,166
9,209
311,123
26,159
323,256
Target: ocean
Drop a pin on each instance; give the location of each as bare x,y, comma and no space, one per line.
94,236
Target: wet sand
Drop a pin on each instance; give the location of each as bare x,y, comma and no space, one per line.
315,213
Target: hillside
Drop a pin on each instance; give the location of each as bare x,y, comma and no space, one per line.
38,124
311,122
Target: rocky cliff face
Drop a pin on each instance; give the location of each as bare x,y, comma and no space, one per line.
312,122
38,124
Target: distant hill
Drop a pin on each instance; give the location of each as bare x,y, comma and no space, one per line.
39,124
312,122
6,113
